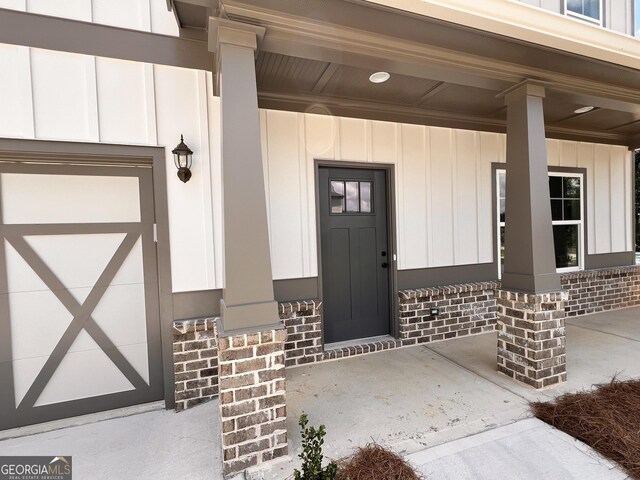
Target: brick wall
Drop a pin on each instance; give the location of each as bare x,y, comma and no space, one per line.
463,310
595,291
195,360
304,335
531,337
252,399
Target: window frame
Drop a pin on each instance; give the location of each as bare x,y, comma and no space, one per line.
594,21
581,223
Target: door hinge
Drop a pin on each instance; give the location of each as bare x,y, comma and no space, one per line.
155,232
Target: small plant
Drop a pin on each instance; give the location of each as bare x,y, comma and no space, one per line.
311,456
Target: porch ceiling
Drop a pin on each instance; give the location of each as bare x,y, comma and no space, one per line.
317,56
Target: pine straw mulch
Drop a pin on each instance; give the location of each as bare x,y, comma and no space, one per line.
374,462
606,418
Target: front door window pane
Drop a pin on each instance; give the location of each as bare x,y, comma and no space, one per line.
365,197
337,196
565,238
353,201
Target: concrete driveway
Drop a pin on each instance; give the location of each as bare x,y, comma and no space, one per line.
444,406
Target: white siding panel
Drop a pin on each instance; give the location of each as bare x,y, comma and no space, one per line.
569,154
162,20
384,142
602,198
413,197
319,136
75,9
285,201
16,119
133,14
442,202
123,102
64,96
619,211
353,139
553,152
466,212
178,104
586,158
14,4
489,153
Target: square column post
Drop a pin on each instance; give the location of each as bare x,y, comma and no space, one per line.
531,332
250,334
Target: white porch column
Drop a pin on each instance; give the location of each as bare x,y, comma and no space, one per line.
247,299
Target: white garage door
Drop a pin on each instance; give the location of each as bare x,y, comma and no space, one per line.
79,317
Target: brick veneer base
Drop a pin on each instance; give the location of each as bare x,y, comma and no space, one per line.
252,399
596,291
195,362
531,337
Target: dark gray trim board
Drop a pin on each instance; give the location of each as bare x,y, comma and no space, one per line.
450,275
61,34
206,303
609,260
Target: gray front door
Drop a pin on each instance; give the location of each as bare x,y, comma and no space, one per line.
79,310
354,250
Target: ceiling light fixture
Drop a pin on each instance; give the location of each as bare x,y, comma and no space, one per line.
584,109
379,77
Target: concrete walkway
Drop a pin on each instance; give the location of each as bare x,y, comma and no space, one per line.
444,406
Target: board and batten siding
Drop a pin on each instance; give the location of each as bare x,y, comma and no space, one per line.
443,176
443,187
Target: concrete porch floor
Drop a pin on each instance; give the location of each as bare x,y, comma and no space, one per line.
410,399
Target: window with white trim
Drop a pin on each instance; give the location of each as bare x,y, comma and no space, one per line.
636,18
567,216
590,10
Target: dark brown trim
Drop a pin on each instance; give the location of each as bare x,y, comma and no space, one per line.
608,260
450,275
61,34
198,304
206,303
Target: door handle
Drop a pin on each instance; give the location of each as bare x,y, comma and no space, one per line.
385,265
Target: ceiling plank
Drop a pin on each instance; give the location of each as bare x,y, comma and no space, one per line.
325,77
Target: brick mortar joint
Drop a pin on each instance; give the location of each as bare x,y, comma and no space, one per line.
447,289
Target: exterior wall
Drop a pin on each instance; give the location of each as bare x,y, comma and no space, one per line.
146,15
443,187
600,290
463,310
195,359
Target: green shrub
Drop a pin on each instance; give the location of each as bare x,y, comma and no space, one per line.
311,456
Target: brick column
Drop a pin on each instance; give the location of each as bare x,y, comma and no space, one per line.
531,337
252,398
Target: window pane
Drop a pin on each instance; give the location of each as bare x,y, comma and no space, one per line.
636,18
365,197
502,248
555,187
592,8
571,187
337,196
353,201
502,209
502,191
572,209
575,6
565,238
556,210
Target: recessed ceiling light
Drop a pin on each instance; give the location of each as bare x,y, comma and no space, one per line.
584,109
379,77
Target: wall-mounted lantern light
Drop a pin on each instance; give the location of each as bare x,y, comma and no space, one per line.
183,157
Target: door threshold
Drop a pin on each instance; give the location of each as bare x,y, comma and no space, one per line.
357,341
81,420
